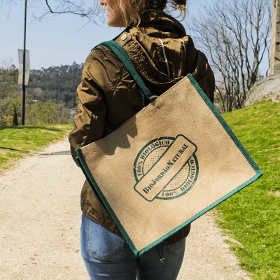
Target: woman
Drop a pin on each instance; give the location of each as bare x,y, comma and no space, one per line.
162,54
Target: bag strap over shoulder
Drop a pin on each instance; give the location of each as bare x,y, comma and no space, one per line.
124,58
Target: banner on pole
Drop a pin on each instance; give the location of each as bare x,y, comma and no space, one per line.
27,67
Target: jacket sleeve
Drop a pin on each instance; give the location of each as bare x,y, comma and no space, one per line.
198,65
204,75
89,121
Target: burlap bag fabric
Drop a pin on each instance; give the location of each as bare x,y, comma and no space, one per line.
167,165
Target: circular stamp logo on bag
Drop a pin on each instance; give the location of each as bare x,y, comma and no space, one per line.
166,168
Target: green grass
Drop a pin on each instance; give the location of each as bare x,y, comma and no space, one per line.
252,216
18,141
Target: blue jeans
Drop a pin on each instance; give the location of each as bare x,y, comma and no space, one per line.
108,256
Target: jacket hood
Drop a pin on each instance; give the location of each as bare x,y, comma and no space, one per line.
158,24
163,54
159,49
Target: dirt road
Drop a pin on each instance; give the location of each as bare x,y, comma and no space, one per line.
40,220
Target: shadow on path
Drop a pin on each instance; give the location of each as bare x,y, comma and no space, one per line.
11,149
62,153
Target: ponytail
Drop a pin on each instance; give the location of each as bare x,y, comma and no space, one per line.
131,11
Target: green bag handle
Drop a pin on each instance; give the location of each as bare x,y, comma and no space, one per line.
117,49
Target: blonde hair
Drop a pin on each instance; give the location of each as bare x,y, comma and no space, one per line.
131,11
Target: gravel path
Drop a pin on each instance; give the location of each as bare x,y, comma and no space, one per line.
40,220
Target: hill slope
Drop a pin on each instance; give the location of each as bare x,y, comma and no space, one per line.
251,217
57,83
264,89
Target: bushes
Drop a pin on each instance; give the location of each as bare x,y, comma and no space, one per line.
47,113
36,112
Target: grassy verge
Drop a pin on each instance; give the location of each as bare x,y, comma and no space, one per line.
18,141
252,217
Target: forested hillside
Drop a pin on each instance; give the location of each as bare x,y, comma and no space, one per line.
58,83
49,95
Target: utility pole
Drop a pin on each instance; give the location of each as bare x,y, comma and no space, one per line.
23,75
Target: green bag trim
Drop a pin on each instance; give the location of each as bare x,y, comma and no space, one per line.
223,123
114,46
99,193
259,173
117,49
199,214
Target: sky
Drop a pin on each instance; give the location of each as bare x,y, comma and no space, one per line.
61,39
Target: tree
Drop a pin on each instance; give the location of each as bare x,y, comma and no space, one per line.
9,104
235,37
8,77
91,10
15,119
9,92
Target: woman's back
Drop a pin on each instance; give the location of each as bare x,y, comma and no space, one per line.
163,54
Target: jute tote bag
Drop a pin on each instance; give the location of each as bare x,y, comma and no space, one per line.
167,165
